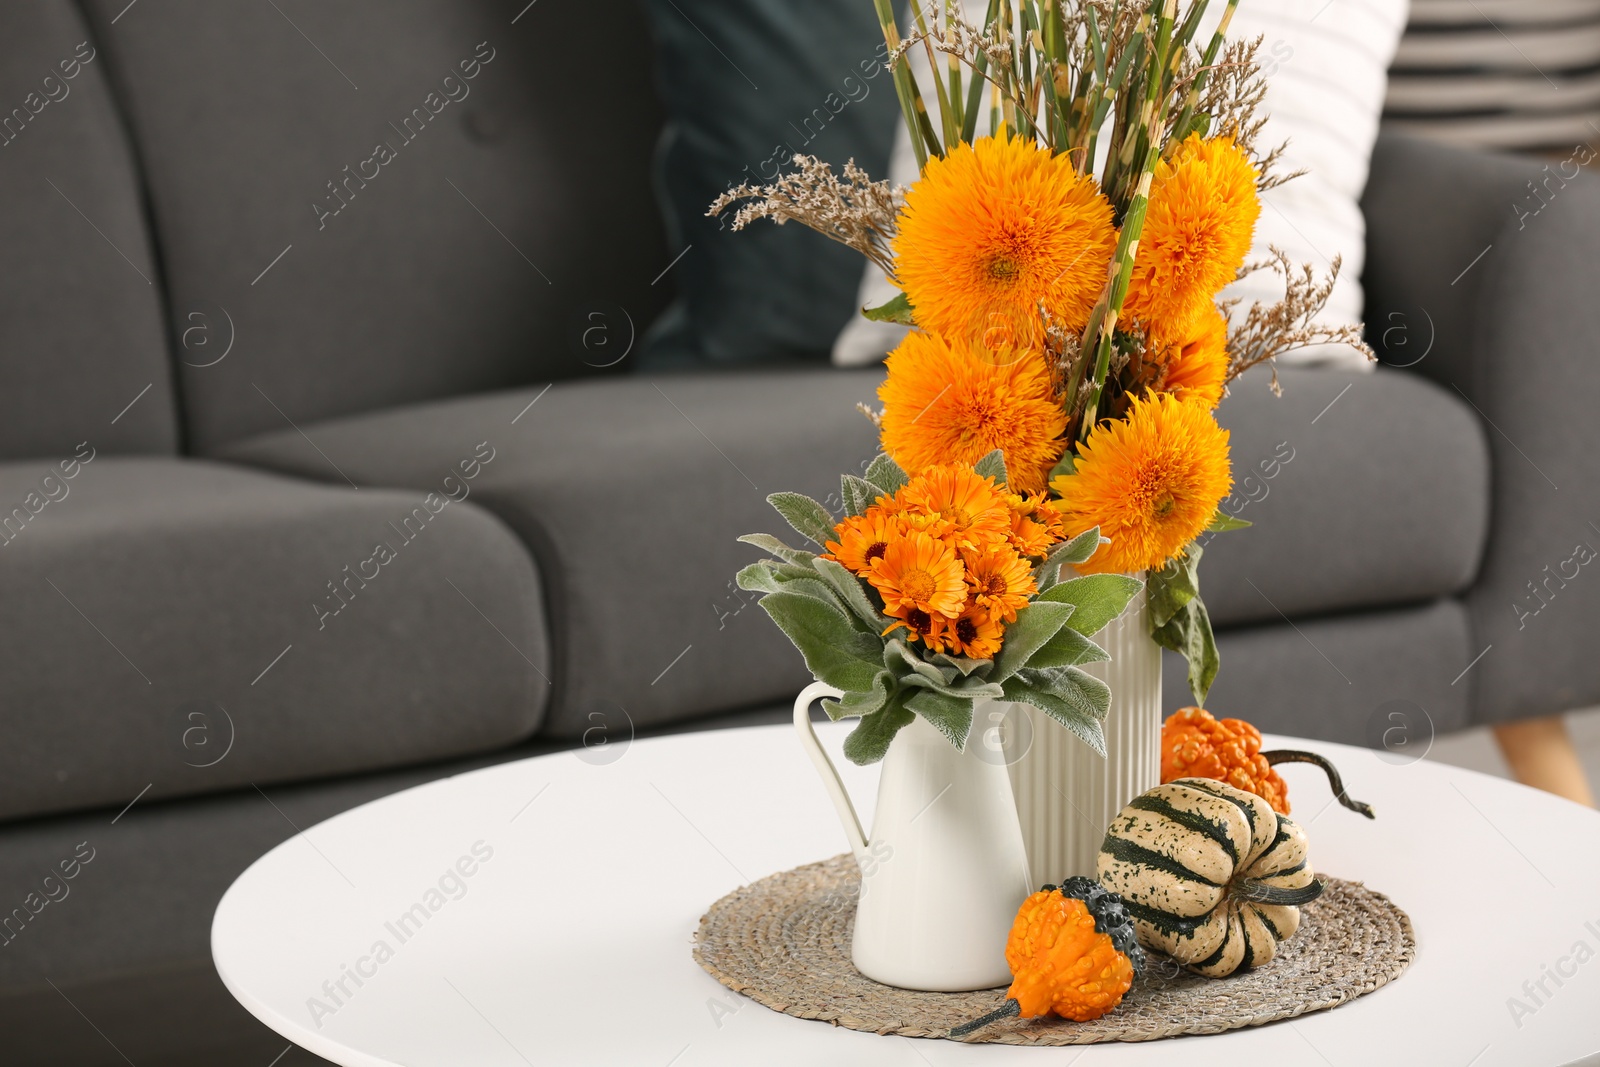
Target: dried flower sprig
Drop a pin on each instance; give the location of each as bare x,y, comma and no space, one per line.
853,210
1270,330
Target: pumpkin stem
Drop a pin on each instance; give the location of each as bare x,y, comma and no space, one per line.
1008,1010
1260,893
1289,755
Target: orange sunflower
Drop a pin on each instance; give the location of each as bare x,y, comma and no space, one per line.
975,634
1150,481
995,228
1203,211
972,513
1195,359
919,573
945,403
1001,581
864,538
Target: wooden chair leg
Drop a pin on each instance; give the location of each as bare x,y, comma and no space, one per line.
1540,754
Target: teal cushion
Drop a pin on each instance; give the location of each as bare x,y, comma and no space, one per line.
746,85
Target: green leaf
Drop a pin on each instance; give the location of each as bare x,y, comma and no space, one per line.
856,493
897,310
849,589
1079,549
861,704
835,651
906,664
950,715
771,545
1068,648
869,741
1068,696
1036,624
886,475
1065,467
1222,522
993,466
1189,633
1173,586
757,577
810,519
971,688
966,667
1099,598
814,587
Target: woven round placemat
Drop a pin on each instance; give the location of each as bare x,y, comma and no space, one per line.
785,942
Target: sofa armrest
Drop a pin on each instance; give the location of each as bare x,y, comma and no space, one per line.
1483,273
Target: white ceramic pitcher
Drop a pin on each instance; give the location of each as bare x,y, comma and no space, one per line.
945,869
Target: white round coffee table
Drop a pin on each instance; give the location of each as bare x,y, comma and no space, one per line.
541,912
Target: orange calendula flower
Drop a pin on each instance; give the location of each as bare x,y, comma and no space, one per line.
975,634
1151,482
1202,214
864,538
931,630
919,573
1001,581
972,512
994,228
1195,360
955,403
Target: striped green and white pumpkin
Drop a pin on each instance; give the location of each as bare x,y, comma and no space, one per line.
1211,875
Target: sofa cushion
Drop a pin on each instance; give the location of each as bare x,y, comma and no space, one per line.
83,353
447,227
631,494
1365,489
185,626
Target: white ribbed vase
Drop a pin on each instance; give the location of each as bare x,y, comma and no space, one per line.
1066,794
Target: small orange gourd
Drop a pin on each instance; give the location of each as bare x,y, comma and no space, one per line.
1194,744
1072,952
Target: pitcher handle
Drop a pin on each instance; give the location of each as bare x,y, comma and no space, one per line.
819,759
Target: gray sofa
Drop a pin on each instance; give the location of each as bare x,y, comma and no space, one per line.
316,483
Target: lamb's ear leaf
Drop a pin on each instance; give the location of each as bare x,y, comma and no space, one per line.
993,466
869,741
860,704
1189,633
810,519
848,588
1036,624
885,474
897,310
1222,522
1070,697
771,545
857,494
1079,549
1099,598
835,651
1068,648
950,715
758,578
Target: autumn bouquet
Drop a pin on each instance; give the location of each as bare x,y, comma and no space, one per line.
1061,275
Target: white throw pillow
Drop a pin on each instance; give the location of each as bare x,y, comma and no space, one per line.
1326,62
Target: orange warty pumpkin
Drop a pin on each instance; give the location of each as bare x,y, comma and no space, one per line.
1196,745
1072,951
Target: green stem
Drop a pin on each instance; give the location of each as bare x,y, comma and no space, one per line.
1010,1009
